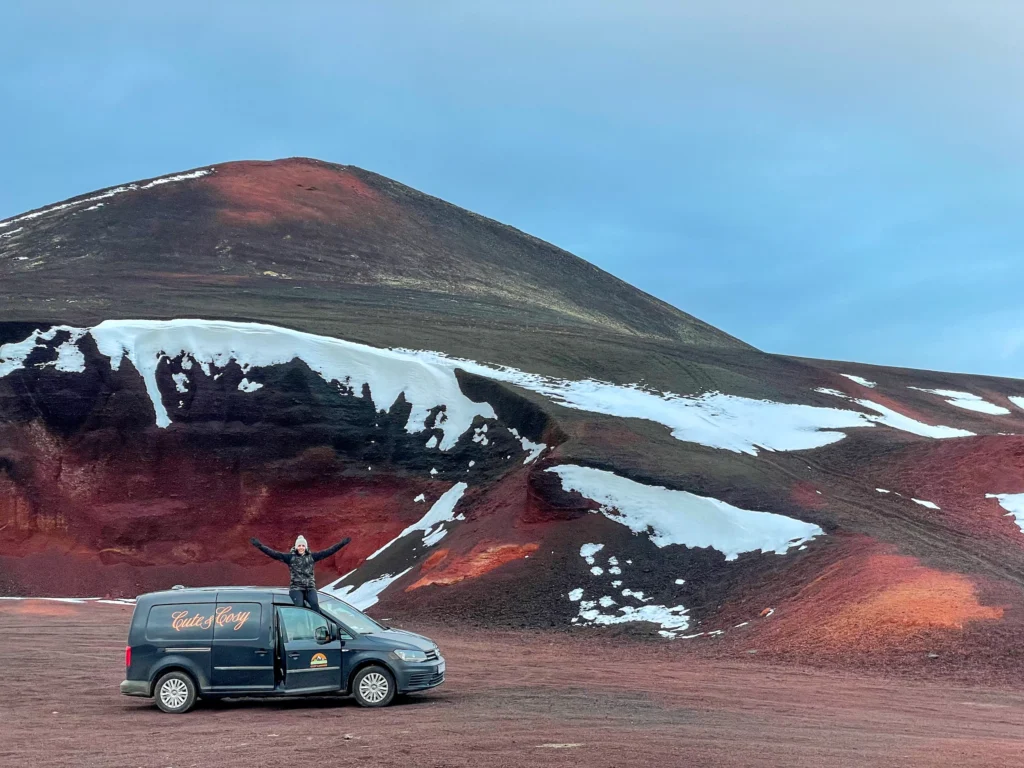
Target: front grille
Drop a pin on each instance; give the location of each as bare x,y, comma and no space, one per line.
425,679
431,655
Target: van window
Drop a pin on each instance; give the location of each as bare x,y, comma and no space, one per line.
182,621
300,624
237,621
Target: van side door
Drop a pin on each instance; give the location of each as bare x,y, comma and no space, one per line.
309,666
243,650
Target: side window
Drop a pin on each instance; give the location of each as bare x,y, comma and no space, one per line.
182,622
237,621
299,624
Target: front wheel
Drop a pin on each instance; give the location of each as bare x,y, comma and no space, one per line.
373,687
175,693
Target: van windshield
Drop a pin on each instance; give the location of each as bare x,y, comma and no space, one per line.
355,620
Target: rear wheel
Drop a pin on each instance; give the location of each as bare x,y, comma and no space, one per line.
373,687
175,693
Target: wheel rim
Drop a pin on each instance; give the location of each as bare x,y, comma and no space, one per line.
374,687
174,693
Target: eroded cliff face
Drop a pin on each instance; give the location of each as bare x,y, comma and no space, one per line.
88,473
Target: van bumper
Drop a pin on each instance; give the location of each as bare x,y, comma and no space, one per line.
135,688
419,677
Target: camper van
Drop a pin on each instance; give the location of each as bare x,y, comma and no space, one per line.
186,644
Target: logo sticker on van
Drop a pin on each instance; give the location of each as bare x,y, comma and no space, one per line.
318,660
223,616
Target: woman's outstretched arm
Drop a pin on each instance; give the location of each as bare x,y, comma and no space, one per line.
283,557
317,556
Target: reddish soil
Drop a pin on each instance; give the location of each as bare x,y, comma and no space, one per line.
874,600
302,190
510,699
483,559
957,475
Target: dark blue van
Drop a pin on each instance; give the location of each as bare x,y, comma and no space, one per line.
253,641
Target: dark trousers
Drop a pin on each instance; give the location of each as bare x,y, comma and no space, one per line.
307,595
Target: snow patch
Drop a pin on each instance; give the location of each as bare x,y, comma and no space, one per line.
713,419
638,595
587,552
1018,401
103,196
597,570
387,373
859,380
680,517
882,490
435,536
69,357
368,593
421,497
1013,503
480,435
79,600
671,619
181,382
249,386
432,523
928,504
576,595
966,400
891,418
534,450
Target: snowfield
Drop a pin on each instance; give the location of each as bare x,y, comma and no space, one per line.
680,517
966,400
368,593
427,381
891,418
859,380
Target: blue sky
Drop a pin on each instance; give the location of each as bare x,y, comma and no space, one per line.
829,179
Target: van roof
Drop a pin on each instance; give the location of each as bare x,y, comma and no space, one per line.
208,594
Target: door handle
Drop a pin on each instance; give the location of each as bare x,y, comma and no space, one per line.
261,652
293,655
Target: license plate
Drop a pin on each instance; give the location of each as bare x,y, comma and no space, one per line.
440,668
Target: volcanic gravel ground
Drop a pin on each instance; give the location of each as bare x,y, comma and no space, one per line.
511,699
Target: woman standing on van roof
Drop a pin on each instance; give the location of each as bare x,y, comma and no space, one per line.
302,586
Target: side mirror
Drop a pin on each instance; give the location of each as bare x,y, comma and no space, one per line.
322,635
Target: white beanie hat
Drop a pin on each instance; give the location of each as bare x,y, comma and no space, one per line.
301,540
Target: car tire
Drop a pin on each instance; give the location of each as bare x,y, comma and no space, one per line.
373,686
175,693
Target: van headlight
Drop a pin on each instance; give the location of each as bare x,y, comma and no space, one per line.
410,656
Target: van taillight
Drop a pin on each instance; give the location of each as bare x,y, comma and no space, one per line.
127,656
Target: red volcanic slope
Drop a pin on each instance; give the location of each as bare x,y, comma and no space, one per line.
95,498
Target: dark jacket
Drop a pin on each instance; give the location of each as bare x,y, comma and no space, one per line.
301,566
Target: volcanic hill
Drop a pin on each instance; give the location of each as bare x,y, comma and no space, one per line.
510,436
